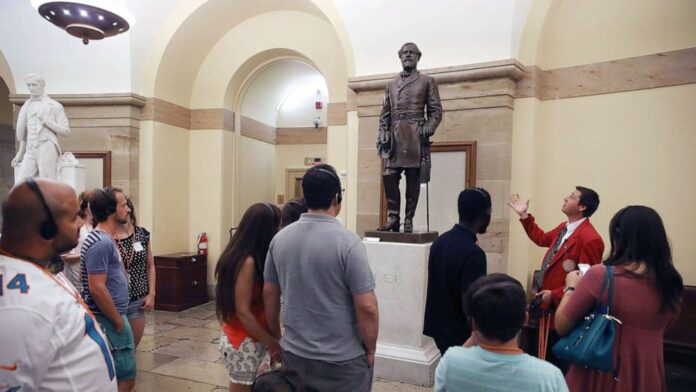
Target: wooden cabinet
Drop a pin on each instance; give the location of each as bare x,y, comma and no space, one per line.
181,281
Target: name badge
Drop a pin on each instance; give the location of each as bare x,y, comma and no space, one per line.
569,265
138,247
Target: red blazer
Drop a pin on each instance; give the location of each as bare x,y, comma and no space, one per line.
583,246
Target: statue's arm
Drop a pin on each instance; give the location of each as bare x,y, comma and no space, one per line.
59,124
385,115
434,106
22,124
20,153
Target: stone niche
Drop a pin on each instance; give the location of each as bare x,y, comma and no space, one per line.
100,123
477,102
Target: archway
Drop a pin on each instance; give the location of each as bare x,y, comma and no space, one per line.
275,113
203,72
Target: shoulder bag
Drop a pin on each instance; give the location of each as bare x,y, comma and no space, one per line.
591,342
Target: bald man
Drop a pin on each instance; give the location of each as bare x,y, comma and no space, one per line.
49,338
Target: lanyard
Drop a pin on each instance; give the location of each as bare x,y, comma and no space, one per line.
73,292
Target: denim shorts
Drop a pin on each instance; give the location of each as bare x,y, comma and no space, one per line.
121,345
134,312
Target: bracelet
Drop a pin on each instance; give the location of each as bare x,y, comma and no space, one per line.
568,288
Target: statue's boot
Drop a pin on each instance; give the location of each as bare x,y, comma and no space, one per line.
412,193
391,191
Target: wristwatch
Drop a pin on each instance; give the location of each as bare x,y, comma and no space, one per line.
568,288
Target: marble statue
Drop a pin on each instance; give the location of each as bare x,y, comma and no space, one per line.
40,121
410,114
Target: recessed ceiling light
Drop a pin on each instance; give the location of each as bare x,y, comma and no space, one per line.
84,13
66,11
47,17
52,12
101,17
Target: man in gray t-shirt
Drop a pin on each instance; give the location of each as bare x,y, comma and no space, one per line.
331,319
105,286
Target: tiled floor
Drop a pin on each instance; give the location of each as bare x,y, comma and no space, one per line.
179,353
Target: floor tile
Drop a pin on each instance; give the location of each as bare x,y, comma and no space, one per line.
194,370
188,322
160,316
158,328
147,381
213,324
197,313
146,361
199,334
191,349
393,386
150,342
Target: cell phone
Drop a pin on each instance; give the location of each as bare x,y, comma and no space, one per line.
583,268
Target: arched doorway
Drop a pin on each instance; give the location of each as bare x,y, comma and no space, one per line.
277,138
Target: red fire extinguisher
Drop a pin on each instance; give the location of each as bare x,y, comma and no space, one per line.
202,244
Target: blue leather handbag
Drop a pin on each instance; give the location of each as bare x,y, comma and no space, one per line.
591,342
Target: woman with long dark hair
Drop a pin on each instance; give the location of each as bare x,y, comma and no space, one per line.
245,338
647,298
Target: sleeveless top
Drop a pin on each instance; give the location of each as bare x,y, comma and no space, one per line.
233,328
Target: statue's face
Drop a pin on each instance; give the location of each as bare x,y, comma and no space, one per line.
35,87
409,57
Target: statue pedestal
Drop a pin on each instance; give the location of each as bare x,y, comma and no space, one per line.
401,274
73,176
71,172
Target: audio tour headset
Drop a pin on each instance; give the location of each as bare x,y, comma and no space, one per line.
339,194
48,228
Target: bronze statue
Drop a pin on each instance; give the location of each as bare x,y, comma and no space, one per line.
403,138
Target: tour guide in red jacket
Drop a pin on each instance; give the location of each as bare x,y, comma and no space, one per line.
570,243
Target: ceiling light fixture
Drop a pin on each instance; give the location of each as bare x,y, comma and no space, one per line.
88,20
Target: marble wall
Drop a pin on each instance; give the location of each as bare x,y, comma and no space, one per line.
478,103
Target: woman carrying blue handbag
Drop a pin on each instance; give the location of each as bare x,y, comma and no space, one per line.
637,285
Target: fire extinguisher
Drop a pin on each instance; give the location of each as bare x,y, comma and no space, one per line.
202,244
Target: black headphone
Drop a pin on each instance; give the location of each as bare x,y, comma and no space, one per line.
273,211
297,204
339,195
48,228
109,192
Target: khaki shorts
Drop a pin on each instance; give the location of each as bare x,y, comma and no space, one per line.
245,362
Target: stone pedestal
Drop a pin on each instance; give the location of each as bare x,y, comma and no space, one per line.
401,273
74,176
71,172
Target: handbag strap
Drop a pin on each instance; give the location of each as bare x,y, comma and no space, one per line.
608,281
610,294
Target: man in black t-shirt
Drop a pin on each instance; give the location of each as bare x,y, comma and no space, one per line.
455,262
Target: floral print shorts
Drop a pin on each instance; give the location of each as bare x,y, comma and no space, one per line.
245,362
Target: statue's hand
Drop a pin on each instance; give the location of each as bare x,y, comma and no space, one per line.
15,160
428,131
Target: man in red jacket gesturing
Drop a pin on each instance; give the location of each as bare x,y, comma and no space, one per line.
570,243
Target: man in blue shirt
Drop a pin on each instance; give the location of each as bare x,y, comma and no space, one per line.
105,286
491,360
455,262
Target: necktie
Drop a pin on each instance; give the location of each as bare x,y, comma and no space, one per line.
539,277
